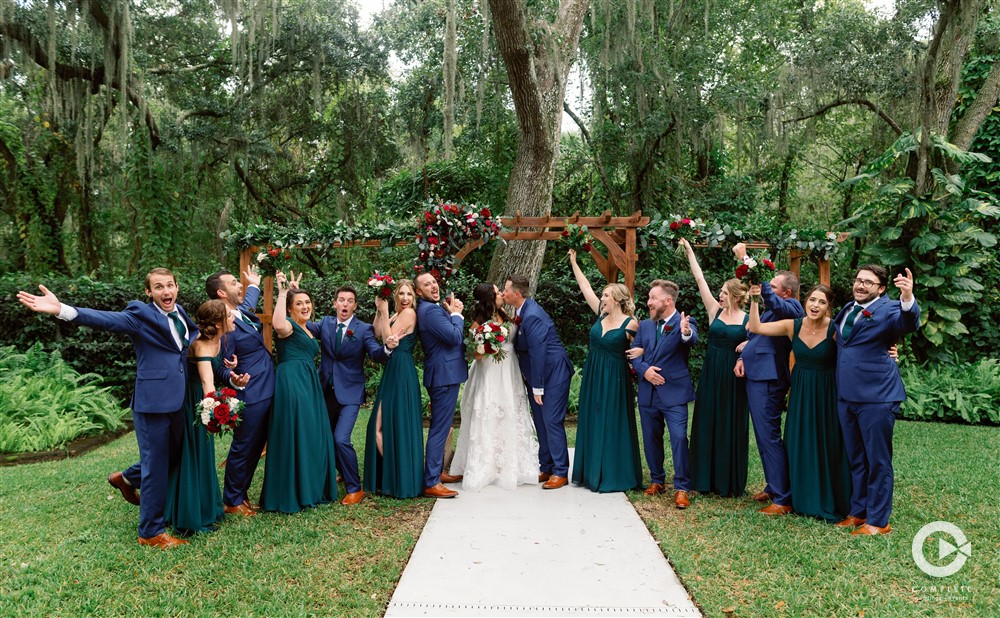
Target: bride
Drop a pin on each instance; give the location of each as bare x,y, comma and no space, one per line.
496,442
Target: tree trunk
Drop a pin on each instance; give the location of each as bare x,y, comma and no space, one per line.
450,68
538,54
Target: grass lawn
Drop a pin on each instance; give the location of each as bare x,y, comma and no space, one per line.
68,548
731,558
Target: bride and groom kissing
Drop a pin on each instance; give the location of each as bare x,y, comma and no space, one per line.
496,444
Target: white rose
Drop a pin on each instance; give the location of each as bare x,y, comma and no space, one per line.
261,257
205,417
480,349
752,263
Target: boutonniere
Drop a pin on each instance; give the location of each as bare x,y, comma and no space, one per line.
866,314
667,328
517,320
349,334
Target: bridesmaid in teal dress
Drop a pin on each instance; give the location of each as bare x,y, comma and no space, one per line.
194,501
818,469
606,457
720,425
301,470
394,462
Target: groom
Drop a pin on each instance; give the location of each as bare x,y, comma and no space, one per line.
442,335
547,371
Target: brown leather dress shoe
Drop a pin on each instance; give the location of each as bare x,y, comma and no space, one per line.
163,541
776,509
555,482
762,496
654,488
353,498
544,476
117,480
240,509
849,522
870,530
451,478
439,491
681,499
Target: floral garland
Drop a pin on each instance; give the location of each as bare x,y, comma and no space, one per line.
444,229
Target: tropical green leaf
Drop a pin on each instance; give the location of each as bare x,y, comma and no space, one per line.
925,242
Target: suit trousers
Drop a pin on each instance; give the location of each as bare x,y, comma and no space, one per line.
244,454
553,454
159,437
653,419
867,431
767,399
444,401
342,420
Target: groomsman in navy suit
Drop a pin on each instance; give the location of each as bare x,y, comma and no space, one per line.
442,334
160,331
547,372
345,341
870,390
254,359
764,363
665,388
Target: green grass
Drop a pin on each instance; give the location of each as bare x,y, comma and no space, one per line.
68,548
732,558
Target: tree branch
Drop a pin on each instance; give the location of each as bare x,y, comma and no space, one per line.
862,102
987,97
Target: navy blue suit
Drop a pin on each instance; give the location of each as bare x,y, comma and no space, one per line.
666,404
443,338
765,361
869,391
160,384
342,372
247,342
545,365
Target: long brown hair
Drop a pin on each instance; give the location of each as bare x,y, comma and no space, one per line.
211,319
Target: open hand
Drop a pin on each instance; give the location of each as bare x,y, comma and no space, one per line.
46,303
230,363
239,380
252,275
653,376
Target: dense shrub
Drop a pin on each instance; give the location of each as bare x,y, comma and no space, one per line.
955,392
45,403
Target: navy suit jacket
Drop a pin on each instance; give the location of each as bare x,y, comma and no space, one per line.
346,366
670,354
766,358
161,368
253,357
865,373
540,353
443,338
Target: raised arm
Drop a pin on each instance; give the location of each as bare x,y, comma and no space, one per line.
707,299
581,280
279,320
380,325
771,329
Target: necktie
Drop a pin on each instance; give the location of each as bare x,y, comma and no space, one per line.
178,327
247,320
659,328
336,340
849,323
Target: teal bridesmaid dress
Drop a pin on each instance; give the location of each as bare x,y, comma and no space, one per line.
194,501
301,469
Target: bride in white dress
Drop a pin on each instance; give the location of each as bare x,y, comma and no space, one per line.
496,442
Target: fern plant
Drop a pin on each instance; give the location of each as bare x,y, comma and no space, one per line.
955,392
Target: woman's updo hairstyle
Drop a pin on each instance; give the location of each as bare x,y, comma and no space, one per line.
738,291
619,293
211,318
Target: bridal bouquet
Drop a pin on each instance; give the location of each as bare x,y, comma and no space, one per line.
754,270
220,411
381,284
273,259
577,237
488,338
684,227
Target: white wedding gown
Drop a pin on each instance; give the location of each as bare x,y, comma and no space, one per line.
496,442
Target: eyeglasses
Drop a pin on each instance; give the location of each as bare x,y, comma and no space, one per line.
866,283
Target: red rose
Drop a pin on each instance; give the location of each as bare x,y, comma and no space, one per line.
517,320
500,338
228,392
288,255
428,217
436,274
667,328
433,240
742,271
494,327
385,292
349,334
565,233
221,413
273,252
213,426
769,264
485,213
866,313
674,225
586,246
686,221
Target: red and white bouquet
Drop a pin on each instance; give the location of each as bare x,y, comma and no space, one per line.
221,411
381,284
577,237
273,259
754,270
488,338
684,227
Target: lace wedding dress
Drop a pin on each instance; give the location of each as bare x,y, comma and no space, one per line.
496,442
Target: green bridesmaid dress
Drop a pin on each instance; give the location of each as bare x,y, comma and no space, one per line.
720,425
399,470
606,457
818,469
194,501
301,469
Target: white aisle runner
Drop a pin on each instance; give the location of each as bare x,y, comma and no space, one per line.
531,552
